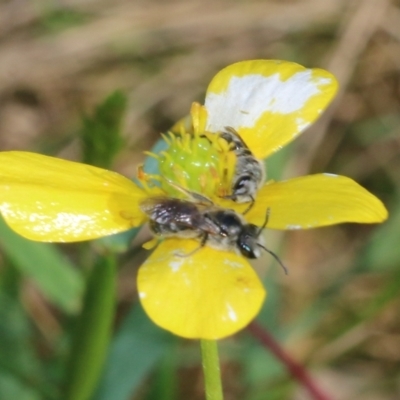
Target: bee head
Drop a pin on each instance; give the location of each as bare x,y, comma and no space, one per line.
247,241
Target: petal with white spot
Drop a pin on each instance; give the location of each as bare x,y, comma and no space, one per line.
207,295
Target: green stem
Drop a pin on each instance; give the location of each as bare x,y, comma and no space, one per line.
212,373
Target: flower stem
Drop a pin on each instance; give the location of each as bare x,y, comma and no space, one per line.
212,373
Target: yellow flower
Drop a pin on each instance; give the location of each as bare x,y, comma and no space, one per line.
211,293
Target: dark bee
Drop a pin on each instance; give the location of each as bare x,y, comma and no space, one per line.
217,227
249,172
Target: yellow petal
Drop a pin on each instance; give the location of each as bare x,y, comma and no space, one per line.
199,117
209,295
315,200
50,199
268,102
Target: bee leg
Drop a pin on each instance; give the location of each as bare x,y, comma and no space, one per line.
250,206
202,244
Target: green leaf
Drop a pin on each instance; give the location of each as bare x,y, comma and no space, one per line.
60,19
136,349
382,253
21,375
101,133
92,334
277,162
56,277
12,388
165,382
371,130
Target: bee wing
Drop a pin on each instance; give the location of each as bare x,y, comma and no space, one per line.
167,210
268,102
158,208
192,196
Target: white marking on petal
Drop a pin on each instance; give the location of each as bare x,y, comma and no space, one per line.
323,81
301,124
175,265
331,175
142,295
187,281
233,264
248,97
231,312
293,227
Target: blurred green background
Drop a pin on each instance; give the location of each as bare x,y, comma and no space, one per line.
97,81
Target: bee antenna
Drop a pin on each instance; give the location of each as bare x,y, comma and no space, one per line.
276,258
265,221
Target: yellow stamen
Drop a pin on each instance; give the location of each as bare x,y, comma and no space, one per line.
149,245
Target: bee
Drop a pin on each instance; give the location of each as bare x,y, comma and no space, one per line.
220,228
249,171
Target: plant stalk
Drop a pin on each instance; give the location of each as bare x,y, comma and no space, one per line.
211,370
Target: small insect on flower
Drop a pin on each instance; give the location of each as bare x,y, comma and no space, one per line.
249,174
251,110
199,218
255,108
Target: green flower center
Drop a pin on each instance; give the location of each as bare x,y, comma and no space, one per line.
200,163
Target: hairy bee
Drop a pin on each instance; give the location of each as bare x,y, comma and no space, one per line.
215,226
249,172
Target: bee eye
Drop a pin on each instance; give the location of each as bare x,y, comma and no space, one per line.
247,241
246,249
